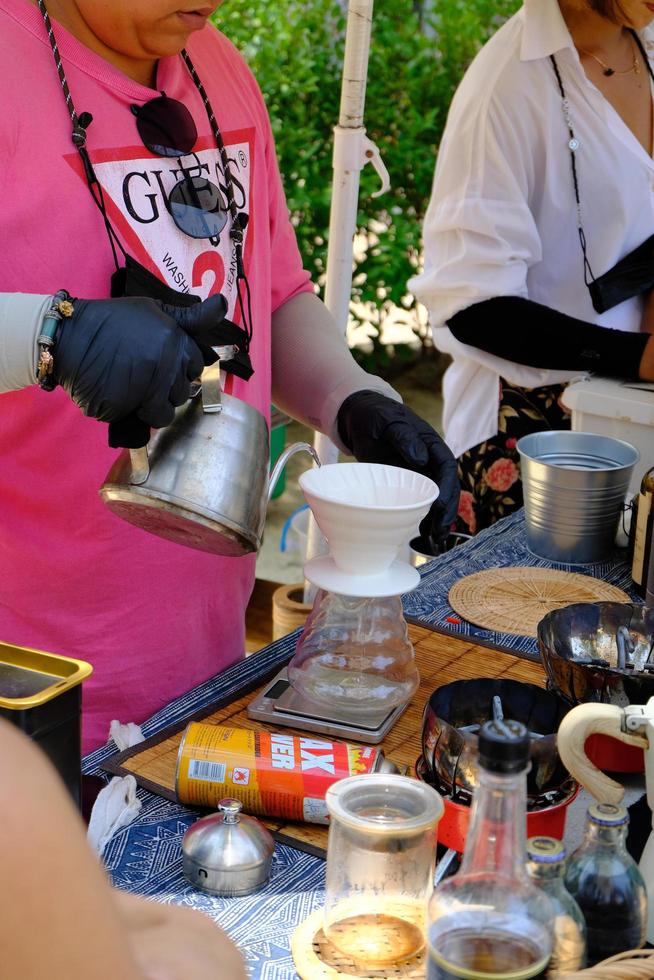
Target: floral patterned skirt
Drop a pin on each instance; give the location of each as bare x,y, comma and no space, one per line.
491,487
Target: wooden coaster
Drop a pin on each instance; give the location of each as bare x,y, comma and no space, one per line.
514,600
316,958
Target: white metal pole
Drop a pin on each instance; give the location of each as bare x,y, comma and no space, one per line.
352,150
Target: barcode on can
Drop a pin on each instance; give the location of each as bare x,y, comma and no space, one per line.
209,772
315,811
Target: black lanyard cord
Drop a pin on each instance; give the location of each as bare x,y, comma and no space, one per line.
80,125
238,227
573,146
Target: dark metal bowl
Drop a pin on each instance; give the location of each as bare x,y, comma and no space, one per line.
579,650
456,711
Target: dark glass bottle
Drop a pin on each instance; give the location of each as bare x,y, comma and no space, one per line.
605,882
546,868
490,920
643,532
649,576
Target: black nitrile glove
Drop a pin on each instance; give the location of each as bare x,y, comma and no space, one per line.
126,356
377,429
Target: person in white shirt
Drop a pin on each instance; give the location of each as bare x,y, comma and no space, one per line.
539,237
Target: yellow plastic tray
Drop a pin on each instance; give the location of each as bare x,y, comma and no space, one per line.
29,678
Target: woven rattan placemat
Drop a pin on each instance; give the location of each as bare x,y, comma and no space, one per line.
315,958
514,600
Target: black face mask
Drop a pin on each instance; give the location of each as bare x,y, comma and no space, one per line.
631,276
133,279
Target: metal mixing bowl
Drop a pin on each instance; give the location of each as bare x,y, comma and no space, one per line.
599,651
456,711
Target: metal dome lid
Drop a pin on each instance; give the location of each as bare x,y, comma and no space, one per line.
228,852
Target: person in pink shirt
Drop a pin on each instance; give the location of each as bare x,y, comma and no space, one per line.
144,223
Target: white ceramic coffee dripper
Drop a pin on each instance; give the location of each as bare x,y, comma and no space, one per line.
367,512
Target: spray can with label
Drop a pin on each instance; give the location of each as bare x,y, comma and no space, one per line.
272,774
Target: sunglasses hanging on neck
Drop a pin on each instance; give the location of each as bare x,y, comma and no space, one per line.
167,129
196,205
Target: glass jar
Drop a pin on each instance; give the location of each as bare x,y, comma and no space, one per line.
355,654
546,868
605,882
381,857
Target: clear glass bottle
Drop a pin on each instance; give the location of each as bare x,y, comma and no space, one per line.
546,868
605,882
355,654
490,920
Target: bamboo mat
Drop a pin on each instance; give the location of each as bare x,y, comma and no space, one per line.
440,659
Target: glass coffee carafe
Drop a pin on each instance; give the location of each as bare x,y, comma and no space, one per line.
355,654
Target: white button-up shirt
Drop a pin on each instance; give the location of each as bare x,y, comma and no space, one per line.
503,219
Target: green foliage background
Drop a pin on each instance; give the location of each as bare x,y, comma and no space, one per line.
420,49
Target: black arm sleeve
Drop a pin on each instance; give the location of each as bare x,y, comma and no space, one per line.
525,332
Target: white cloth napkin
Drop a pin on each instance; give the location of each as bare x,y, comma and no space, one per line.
125,735
116,805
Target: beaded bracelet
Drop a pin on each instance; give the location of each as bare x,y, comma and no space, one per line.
61,307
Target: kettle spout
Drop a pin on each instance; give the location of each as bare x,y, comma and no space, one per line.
296,447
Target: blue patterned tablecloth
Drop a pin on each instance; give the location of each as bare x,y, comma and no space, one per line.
145,858
500,546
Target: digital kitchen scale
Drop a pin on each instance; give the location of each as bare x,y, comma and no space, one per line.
279,704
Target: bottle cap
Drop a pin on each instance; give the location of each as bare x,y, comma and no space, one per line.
503,746
608,814
545,850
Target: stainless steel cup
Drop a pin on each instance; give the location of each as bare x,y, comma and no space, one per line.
420,551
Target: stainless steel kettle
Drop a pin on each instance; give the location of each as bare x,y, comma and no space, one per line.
203,480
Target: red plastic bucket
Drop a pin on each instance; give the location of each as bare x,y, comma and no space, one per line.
453,825
612,755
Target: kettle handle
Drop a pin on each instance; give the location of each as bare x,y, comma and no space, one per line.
581,722
140,466
209,385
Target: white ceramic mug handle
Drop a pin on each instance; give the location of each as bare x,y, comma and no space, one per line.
576,727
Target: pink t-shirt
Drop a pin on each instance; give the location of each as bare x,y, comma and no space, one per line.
153,618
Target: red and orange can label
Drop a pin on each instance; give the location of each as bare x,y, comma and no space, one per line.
272,774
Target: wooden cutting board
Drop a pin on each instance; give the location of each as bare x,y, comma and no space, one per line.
440,659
